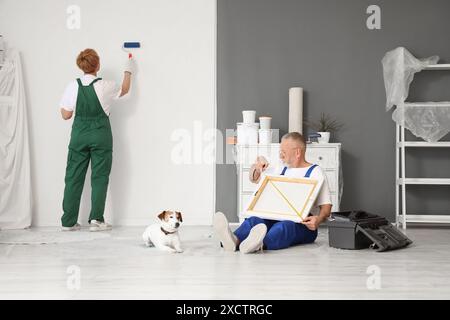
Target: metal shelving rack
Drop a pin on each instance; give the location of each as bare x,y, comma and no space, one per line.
402,181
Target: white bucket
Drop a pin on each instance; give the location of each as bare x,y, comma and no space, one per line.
249,116
265,136
247,134
265,122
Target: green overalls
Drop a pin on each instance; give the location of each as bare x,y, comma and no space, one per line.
91,139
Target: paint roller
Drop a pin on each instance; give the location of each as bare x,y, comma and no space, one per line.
130,46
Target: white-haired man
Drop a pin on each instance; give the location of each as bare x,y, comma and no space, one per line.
256,233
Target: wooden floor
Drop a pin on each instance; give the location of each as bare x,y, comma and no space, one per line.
118,266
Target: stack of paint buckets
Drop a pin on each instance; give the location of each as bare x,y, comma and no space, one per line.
265,132
250,132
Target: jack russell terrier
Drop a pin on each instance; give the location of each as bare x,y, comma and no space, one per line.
164,235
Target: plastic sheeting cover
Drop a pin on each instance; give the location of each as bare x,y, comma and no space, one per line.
427,120
15,181
430,120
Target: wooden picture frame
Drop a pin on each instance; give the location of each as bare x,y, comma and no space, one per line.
284,198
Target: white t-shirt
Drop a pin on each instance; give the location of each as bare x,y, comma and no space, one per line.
107,91
324,196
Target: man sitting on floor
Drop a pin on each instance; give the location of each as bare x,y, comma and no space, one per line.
256,233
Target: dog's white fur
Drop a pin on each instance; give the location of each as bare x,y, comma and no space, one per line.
154,235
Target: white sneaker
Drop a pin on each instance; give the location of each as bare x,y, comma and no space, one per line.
223,232
99,226
254,241
76,227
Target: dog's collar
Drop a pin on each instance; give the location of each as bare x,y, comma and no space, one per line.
166,232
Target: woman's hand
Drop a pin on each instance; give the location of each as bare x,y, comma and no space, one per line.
129,69
66,115
130,66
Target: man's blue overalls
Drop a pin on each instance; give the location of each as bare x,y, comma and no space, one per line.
280,234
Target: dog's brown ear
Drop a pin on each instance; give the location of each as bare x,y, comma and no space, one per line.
162,215
179,216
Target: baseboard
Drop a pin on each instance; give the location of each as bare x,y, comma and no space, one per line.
135,222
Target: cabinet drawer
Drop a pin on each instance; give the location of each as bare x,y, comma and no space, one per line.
245,201
331,177
247,185
335,202
324,157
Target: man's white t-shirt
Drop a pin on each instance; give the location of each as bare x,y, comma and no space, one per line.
324,196
107,91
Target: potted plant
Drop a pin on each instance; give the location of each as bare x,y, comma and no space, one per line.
324,126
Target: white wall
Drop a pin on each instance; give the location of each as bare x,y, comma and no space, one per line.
174,86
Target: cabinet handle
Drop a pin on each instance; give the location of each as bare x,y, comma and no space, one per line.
320,158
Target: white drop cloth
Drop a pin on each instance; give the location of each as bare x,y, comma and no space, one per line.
15,180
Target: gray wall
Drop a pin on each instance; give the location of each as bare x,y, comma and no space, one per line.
267,46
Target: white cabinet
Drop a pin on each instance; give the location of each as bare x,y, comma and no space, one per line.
326,155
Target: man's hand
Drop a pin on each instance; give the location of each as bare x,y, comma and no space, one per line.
261,164
312,222
256,170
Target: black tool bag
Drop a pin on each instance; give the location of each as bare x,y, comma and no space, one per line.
360,230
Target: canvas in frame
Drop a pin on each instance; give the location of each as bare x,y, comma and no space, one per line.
284,198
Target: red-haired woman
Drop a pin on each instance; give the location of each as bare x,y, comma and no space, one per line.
91,140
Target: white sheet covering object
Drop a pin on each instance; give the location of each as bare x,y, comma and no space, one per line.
15,180
399,67
427,120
